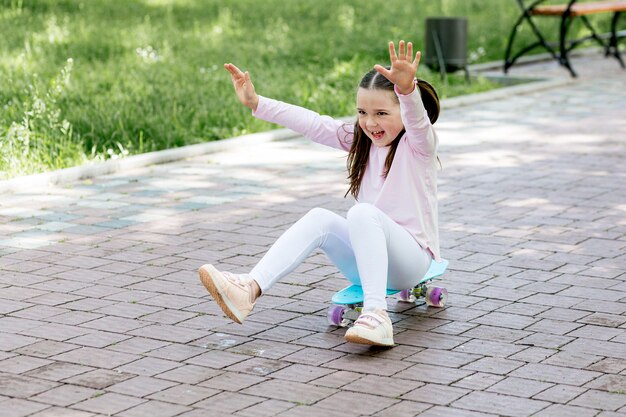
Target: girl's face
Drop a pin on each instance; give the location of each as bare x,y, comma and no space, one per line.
379,115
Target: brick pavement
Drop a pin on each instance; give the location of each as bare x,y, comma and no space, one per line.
101,311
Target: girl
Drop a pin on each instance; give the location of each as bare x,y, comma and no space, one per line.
390,236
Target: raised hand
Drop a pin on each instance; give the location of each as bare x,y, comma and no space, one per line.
403,67
243,87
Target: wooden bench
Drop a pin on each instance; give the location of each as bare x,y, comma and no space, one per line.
567,12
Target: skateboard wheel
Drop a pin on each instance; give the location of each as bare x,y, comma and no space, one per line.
436,296
335,315
407,296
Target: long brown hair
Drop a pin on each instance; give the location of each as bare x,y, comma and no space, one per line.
360,149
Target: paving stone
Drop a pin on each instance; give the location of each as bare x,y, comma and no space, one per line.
338,379
267,408
98,339
290,391
16,407
61,411
434,374
611,401
597,347
608,365
258,366
572,359
367,365
504,405
558,410
554,326
184,394
217,359
312,356
98,378
545,340
439,411
155,409
596,332
163,350
561,393
98,358
58,371
109,403
23,386
556,374
490,348
140,386
46,348
35,312
15,325
21,364
232,381
385,386
168,333
189,374
114,324
429,340
520,387
611,383
148,366
65,395
435,394
266,349
478,381
493,365
345,403
74,317
226,403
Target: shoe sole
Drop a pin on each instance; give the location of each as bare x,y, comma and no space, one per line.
206,277
363,341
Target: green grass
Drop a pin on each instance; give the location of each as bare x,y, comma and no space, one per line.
85,80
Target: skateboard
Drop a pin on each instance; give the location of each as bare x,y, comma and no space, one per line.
348,303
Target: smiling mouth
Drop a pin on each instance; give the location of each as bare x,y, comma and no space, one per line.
377,134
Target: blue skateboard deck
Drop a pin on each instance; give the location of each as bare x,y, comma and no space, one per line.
354,293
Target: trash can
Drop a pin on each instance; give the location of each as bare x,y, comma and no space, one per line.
446,44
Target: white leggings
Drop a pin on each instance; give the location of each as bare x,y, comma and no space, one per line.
368,248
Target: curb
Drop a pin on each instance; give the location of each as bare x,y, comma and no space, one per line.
140,161
170,155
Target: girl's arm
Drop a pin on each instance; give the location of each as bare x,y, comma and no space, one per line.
419,131
321,129
420,134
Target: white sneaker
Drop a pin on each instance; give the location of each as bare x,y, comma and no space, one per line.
233,294
371,328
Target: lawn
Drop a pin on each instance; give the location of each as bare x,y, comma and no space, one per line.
90,80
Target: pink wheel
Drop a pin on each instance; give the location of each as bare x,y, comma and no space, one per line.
407,296
436,296
335,315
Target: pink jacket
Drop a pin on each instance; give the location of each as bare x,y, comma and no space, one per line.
409,193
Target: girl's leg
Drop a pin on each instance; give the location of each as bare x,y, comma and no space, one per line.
386,254
236,294
319,228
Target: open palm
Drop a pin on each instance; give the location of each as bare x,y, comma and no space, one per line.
403,67
243,86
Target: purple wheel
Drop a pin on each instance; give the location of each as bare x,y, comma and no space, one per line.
335,315
407,296
436,296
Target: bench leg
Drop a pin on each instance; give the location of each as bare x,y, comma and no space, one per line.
509,60
612,48
563,53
